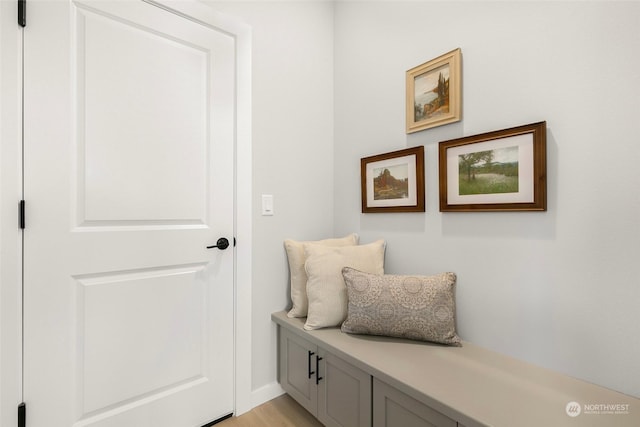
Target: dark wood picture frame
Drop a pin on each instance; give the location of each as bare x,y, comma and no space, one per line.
471,181
393,182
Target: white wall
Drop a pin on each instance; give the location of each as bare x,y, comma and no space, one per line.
557,288
292,152
560,288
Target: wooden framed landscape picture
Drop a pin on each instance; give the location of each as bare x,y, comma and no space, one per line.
433,92
503,170
393,182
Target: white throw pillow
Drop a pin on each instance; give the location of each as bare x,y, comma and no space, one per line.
297,258
326,290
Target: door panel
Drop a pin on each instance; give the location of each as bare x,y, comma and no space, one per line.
128,151
344,393
297,369
124,75
126,355
391,407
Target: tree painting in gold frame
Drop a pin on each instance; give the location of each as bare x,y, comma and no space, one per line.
434,92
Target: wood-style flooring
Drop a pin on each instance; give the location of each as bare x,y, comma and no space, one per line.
282,411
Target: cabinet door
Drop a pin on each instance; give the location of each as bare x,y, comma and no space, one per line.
344,393
392,408
297,369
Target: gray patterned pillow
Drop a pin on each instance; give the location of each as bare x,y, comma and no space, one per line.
415,307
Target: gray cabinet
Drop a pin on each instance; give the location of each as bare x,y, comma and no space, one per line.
334,391
297,361
393,408
344,393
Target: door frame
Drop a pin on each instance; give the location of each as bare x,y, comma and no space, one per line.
10,236
11,192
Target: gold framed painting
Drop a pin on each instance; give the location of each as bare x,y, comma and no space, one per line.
393,182
504,170
434,92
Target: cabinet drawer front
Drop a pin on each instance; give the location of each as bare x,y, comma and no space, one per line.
393,408
294,369
344,393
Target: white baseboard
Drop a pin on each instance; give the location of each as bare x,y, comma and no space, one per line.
264,394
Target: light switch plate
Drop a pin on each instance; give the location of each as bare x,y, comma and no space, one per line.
267,205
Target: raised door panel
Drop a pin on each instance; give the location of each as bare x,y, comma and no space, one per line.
142,124
297,369
344,393
392,408
133,348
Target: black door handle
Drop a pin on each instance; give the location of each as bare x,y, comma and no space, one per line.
309,371
221,244
318,377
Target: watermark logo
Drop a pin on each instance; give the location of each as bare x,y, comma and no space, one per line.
573,409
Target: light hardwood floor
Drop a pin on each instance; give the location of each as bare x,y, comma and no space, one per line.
282,411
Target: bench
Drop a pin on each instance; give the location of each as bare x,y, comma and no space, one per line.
362,381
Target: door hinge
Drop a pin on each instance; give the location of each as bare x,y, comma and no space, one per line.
21,214
22,13
22,415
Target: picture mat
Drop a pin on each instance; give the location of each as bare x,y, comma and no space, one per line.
525,194
410,161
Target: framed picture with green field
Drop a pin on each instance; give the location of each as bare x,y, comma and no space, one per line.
434,92
504,170
393,182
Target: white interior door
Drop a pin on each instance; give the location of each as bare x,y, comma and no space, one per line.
128,176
